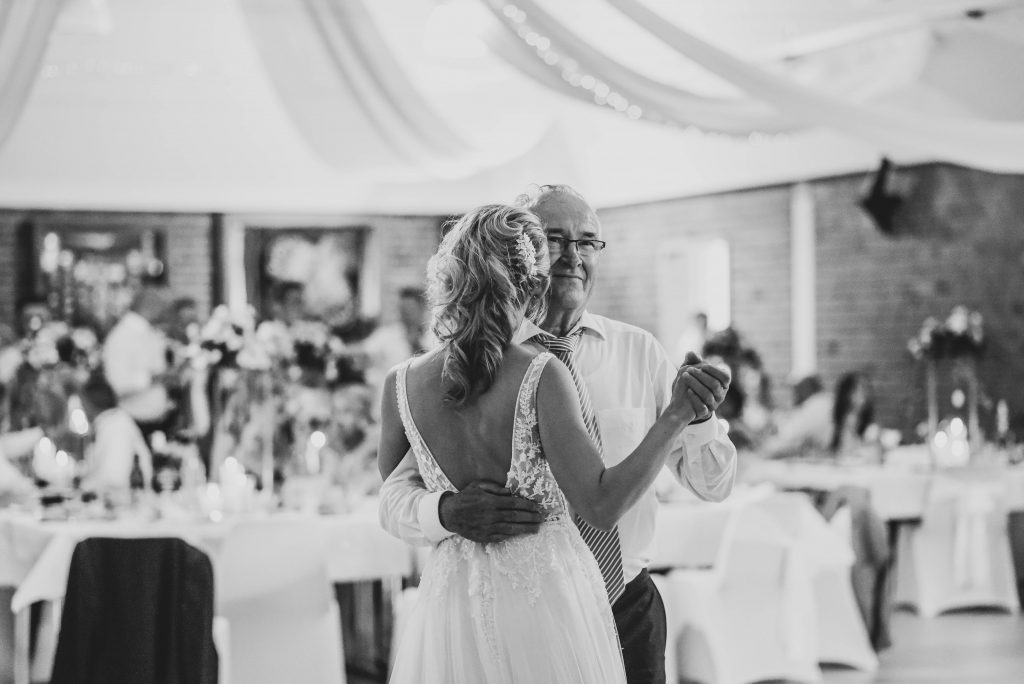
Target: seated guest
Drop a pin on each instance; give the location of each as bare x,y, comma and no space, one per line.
117,441
853,430
756,420
389,345
15,446
352,437
808,427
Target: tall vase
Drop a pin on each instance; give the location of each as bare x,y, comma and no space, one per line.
932,393
970,375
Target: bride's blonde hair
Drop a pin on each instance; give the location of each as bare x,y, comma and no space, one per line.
492,262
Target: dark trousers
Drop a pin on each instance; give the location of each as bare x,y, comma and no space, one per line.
640,619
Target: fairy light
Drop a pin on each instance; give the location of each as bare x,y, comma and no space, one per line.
603,94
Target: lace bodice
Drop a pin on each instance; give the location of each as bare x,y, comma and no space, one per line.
529,475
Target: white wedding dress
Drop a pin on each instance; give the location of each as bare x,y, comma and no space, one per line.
530,610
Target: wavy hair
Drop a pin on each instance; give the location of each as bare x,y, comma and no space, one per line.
477,282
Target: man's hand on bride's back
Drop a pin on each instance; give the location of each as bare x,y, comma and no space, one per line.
486,512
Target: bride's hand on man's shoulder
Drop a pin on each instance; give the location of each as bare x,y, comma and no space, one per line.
485,512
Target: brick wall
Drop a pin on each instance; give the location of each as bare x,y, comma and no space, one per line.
756,225
188,245
9,269
960,240
406,244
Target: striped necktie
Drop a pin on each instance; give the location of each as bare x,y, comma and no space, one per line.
604,544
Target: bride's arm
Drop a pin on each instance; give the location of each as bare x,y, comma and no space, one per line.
393,442
601,495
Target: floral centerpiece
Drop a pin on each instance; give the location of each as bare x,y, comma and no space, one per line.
962,334
43,370
961,339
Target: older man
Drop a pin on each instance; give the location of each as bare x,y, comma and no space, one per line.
628,377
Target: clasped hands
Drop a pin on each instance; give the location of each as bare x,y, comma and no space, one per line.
704,384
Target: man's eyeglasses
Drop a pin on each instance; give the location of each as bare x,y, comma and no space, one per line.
586,246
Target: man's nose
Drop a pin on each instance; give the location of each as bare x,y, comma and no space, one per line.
571,254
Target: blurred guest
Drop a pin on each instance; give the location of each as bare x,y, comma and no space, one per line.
755,421
352,432
135,360
853,414
15,446
389,345
183,320
287,302
808,427
117,441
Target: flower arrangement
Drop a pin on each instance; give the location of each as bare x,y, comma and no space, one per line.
229,340
315,348
962,334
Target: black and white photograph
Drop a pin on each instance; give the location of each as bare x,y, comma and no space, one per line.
511,341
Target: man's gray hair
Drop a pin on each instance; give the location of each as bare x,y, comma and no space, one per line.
535,194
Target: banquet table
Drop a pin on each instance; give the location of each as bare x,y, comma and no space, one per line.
897,493
35,555
689,534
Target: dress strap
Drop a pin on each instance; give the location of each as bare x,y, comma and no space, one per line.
430,471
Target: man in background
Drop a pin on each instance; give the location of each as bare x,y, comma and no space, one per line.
135,361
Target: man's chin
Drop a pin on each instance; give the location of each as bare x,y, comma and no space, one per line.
567,293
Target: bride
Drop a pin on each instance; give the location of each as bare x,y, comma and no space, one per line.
532,609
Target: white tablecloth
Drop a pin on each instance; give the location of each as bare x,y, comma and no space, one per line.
689,534
896,493
35,556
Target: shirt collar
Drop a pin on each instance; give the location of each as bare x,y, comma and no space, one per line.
588,322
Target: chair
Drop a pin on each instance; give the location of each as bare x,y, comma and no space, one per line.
282,619
137,611
842,634
747,619
960,556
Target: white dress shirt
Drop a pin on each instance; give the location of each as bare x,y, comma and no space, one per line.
629,377
134,355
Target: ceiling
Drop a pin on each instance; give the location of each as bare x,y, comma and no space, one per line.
167,105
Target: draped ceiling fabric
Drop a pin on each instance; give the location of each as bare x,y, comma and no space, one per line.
25,27
346,92
966,105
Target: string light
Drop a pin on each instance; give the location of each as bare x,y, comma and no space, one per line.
603,94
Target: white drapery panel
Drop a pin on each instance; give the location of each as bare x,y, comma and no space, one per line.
348,94
932,117
659,101
25,27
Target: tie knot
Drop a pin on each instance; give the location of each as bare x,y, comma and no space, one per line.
561,345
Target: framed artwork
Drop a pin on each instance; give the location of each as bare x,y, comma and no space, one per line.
329,263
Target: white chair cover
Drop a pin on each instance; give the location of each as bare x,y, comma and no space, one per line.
959,557
750,617
283,622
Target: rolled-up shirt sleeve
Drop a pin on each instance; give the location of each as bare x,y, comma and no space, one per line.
407,509
704,460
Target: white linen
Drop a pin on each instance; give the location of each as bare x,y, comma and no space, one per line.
35,556
629,377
